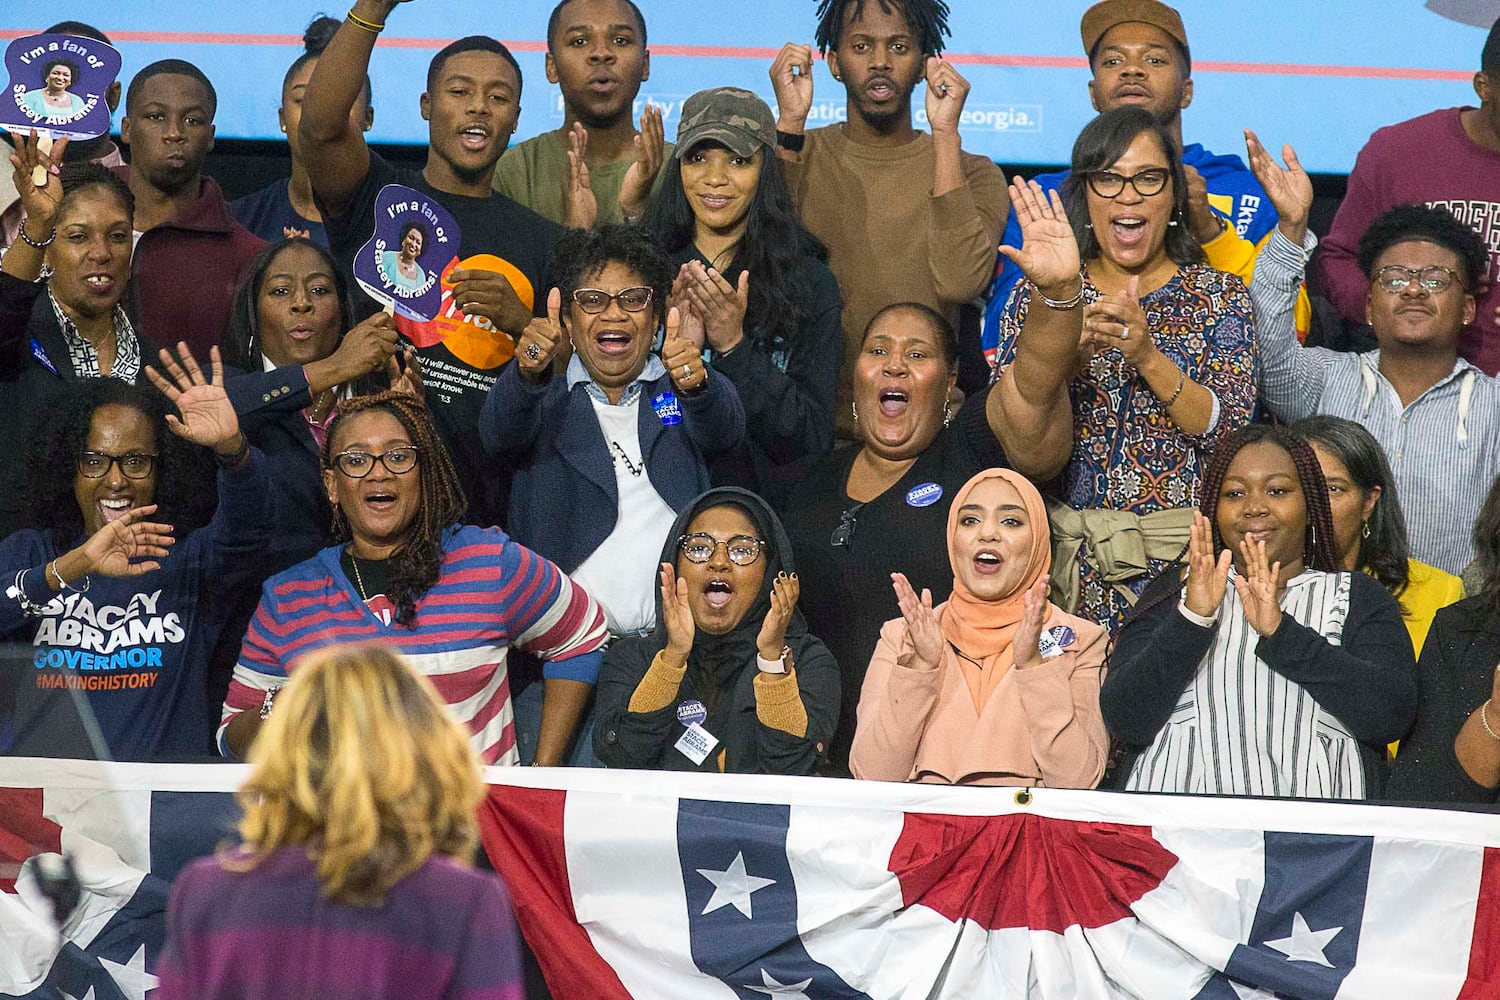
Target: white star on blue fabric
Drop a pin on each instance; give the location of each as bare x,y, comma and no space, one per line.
1305,944
786,991
1244,992
733,887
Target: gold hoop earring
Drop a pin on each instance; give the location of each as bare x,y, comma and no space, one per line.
1364,529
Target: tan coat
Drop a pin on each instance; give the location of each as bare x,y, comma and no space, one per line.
1041,726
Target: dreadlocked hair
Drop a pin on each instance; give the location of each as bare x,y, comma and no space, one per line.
928,20
1318,544
417,564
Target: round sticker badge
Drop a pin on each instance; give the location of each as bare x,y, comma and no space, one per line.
924,495
691,712
1062,635
667,408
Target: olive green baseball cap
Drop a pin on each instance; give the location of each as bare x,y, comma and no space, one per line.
733,117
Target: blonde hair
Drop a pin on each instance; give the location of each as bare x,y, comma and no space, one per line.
362,764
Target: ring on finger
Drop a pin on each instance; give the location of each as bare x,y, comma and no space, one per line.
533,352
687,371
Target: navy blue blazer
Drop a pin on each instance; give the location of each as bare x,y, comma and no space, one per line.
564,501
269,405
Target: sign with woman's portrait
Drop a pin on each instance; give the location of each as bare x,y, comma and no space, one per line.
57,84
415,241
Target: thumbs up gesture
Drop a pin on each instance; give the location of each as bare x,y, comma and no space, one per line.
542,341
682,358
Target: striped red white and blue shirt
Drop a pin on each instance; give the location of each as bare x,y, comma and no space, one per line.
492,593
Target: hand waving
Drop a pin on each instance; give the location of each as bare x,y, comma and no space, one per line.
204,415
130,546
1026,643
650,148
1259,588
1208,577
1289,187
1048,255
922,628
678,617
772,638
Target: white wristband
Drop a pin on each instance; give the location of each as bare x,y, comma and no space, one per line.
776,666
1196,618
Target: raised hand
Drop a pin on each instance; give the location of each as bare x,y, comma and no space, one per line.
1026,643
542,341
1259,588
367,347
678,617
650,149
36,180
946,92
922,628
720,305
1208,575
682,358
1117,320
204,415
1048,254
407,375
1202,221
791,78
1289,187
580,207
772,638
129,546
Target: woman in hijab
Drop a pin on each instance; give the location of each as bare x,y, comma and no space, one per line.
730,680
996,686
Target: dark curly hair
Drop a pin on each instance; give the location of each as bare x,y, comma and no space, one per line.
407,227
416,566
184,486
68,64
1102,142
1384,553
928,20
773,244
320,31
582,253
1419,223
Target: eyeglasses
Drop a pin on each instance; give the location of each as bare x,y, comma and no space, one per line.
594,301
1108,184
133,465
844,533
1397,279
699,547
359,464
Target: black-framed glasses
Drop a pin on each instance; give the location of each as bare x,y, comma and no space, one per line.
359,464
699,547
844,533
1148,182
133,464
1396,279
594,300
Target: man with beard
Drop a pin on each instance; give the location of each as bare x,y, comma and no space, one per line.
1138,54
471,105
190,254
906,216
596,168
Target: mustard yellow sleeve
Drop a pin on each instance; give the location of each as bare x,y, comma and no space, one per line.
658,688
778,703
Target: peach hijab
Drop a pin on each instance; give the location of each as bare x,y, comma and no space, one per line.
982,629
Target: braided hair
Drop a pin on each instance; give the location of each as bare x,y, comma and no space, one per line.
1319,545
928,20
417,564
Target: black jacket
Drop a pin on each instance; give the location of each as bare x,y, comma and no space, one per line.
720,677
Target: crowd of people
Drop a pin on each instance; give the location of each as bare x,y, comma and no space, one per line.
1111,477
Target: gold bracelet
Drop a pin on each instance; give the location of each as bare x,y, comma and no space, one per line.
1181,381
360,22
1484,720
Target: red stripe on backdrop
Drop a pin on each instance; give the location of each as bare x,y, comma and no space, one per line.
25,832
1483,982
738,52
529,830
